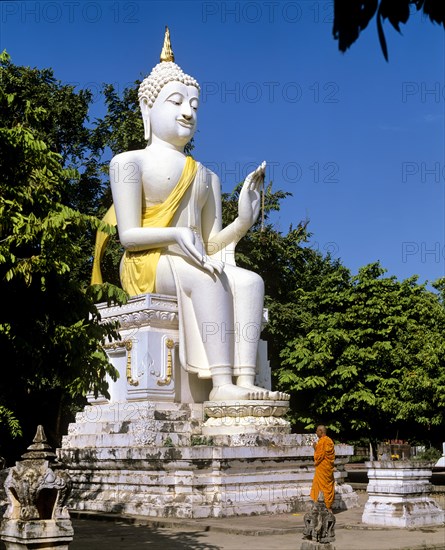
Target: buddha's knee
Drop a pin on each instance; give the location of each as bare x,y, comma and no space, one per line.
248,281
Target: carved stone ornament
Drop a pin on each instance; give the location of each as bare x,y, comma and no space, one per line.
144,432
244,440
148,310
243,416
319,523
240,409
35,490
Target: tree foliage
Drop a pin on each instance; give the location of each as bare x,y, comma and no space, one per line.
352,17
50,330
371,358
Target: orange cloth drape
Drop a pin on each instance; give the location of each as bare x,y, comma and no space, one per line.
324,457
138,270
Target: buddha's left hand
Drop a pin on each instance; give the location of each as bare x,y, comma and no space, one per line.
212,265
249,202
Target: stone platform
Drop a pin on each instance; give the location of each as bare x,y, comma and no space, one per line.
152,459
157,448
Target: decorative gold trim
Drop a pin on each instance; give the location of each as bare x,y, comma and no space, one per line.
130,379
166,381
116,345
167,52
128,345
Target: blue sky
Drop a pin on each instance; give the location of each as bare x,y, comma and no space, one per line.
359,142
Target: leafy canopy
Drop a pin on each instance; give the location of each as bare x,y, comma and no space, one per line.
50,330
370,360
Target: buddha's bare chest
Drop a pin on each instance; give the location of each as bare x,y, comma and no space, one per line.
160,178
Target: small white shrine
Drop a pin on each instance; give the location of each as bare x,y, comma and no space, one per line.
399,495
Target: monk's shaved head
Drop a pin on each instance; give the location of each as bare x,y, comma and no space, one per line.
322,428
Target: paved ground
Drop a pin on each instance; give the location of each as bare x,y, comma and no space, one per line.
277,532
93,536
274,532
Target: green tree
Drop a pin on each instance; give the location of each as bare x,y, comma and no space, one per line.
371,359
50,330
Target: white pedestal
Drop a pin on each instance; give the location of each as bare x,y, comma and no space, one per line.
51,534
152,459
159,448
399,495
147,355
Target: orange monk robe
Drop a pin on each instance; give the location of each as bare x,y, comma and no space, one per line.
324,457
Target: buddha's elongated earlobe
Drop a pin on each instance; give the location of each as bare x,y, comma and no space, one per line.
145,110
147,127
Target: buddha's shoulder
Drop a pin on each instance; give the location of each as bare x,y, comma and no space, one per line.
137,155
210,175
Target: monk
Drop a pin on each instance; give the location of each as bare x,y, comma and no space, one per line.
324,458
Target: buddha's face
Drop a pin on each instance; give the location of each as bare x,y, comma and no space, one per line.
173,117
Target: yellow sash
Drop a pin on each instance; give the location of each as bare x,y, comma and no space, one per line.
138,269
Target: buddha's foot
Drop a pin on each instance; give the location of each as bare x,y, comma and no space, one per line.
230,392
256,392
279,396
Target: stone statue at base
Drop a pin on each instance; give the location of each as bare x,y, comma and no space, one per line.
319,523
167,207
37,489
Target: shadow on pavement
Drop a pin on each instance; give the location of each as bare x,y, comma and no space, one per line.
93,535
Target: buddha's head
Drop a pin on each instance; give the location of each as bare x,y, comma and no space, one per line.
169,100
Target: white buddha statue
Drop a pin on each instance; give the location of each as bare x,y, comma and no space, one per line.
168,210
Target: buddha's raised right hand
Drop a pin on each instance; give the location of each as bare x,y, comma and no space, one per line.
249,202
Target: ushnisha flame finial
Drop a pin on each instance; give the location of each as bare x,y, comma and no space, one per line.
164,72
167,52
